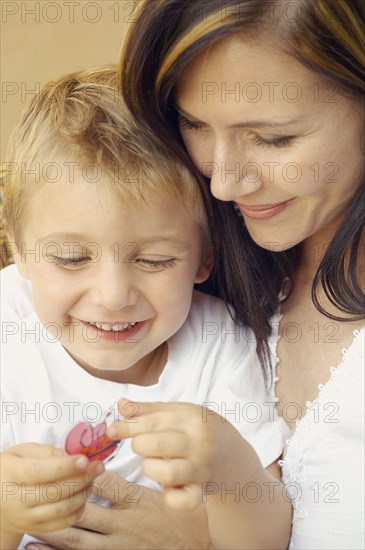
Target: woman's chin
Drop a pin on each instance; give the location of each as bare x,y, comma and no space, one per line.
272,242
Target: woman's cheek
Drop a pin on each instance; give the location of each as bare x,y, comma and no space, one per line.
291,173
316,178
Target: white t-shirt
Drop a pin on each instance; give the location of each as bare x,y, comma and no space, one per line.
46,394
323,467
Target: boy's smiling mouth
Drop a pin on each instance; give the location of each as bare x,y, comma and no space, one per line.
115,327
116,331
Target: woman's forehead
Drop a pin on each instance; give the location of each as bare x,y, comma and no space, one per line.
246,76
236,58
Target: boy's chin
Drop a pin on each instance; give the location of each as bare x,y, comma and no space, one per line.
96,367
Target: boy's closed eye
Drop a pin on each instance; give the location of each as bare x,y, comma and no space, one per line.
70,262
156,264
146,263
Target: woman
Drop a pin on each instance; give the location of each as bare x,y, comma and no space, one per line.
267,100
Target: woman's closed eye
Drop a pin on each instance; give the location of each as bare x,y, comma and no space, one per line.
273,142
187,124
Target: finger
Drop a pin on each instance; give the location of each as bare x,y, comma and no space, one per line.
117,490
95,518
35,496
45,471
185,498
150,423
130,409
39,546
36,450
169,472
57,523
163,444
66,512
73,538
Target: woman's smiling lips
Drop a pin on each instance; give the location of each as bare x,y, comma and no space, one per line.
262,211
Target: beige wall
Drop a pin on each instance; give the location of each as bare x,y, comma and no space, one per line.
43,39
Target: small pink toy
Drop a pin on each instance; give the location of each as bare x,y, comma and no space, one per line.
91,441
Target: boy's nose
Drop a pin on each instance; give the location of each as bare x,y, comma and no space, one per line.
113,287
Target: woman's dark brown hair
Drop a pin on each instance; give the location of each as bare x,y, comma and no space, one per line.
328,36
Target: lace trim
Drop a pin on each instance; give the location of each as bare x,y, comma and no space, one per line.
338,374
273,343
307,432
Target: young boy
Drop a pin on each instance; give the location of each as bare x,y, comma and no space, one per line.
110,235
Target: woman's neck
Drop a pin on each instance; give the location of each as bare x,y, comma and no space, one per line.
313,251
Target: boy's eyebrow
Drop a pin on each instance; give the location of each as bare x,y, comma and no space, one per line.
154,239
168,239
74,237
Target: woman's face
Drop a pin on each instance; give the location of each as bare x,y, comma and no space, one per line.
275,139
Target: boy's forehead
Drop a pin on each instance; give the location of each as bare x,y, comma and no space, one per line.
168,241
130,178
127,179
79,210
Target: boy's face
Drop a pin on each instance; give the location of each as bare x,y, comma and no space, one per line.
100,265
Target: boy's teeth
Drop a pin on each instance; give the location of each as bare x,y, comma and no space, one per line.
115,327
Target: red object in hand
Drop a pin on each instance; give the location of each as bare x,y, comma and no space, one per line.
90,441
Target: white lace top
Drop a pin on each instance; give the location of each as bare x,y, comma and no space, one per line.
323,469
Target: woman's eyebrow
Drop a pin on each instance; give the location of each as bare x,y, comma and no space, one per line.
248,123
266,123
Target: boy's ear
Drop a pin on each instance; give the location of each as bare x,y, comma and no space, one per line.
204,270
17,256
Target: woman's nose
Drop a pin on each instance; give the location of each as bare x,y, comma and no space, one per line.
233,173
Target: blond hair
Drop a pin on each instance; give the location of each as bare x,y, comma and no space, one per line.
80,122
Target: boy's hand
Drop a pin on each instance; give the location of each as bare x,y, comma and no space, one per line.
43,489
185,446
